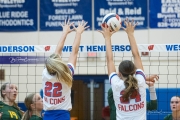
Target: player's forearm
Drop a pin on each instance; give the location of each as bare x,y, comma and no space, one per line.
60,44
76,43
152,93
133,44
109,54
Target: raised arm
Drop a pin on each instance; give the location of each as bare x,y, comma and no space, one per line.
66,30
150,80
130,26
75,48
109,55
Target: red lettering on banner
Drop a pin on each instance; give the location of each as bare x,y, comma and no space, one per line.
134,107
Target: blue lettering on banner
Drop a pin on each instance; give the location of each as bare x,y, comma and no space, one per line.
102,48
81,48
94,48
164,14
118,48
128,48
59,10
89,48
67,49
122,48
133,9
173,47
18,15
17,49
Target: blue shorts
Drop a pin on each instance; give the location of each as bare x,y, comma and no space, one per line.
56,115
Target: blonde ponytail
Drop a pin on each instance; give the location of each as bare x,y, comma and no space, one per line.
28,101
55,66
26,115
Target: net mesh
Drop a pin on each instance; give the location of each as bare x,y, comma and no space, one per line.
25,70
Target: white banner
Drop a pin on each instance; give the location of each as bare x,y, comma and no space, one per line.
89,48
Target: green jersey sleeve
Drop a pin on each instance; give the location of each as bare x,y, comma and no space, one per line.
34,117
111,105
152,105
168,117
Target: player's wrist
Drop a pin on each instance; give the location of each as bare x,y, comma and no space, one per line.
152,88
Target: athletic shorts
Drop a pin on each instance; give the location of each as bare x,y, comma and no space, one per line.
56,115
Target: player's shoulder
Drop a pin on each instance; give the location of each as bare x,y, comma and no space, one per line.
140,75
139,72
46,76
113,76
168,117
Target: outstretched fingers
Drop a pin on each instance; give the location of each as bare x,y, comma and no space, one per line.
65,22
68,21
126,23
85,23
61,25
100,31
86,27
135,24
156,77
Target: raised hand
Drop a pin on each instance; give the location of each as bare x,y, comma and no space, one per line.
66,30
130,26
150,80
106,31
66,26
81,27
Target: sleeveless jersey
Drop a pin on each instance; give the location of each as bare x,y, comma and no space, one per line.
56,95
135,108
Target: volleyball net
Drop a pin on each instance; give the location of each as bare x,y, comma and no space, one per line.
23,66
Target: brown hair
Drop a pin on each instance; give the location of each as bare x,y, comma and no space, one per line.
28,101
127,69
55,66
3,87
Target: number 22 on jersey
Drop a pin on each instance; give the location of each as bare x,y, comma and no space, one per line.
53,89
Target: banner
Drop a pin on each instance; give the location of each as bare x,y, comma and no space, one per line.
22,59
164,14
18,15
133,9
54,12
89,48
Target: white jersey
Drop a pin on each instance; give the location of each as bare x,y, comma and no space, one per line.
56,95
135,108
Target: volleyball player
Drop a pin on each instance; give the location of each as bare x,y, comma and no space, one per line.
8,107
151,105
175,108
34,105
129,92
57,77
